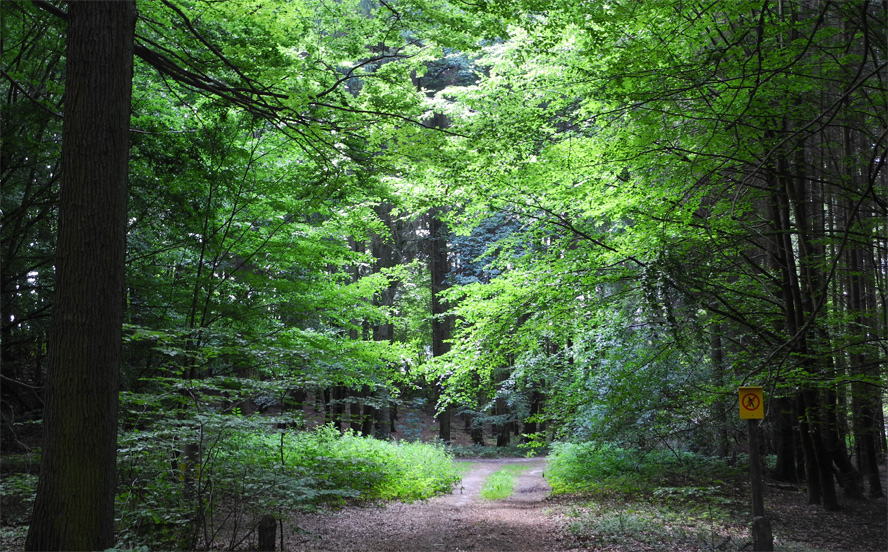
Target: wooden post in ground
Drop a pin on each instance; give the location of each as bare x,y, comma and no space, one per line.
761,526
752,409
267,529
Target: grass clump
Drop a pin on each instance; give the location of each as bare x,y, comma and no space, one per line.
500,483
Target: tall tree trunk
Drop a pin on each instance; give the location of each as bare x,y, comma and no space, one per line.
74,508
387,251
721,417
369,418
327,395
382,422
812,478
800,261
295,401
439,267
865,399
823,466
835,443
784,437
355,410
502,430
337,406
530,426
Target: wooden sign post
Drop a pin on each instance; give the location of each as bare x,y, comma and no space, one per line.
752,409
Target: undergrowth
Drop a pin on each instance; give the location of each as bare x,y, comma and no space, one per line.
205,484
585,467
655,500
483,451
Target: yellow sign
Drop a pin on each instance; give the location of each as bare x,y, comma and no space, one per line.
751,404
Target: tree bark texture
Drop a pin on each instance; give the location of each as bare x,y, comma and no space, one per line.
74,508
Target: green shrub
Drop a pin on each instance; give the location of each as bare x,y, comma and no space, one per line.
652,500
583,467
246,469
379,469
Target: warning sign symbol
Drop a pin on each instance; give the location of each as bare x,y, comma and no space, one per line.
751,403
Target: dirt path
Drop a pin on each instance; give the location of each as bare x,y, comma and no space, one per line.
459,521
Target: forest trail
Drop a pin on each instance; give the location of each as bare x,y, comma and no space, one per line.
459,521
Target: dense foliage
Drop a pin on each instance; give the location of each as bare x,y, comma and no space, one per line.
621,211
695,197
247,470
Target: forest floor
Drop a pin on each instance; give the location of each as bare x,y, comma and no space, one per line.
458,521
531,520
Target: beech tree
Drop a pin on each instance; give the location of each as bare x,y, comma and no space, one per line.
627,210
84,358
692,181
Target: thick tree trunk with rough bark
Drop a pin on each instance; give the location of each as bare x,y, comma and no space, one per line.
864,396
74,509
821,453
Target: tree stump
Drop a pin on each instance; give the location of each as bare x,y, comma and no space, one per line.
267,529
762,540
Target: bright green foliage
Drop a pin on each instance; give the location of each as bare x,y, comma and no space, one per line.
235,271
580,467
641,149
261,136
501,483
588,467
246,469
241,262
650,203
379,469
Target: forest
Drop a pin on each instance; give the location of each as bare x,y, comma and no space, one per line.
267,256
